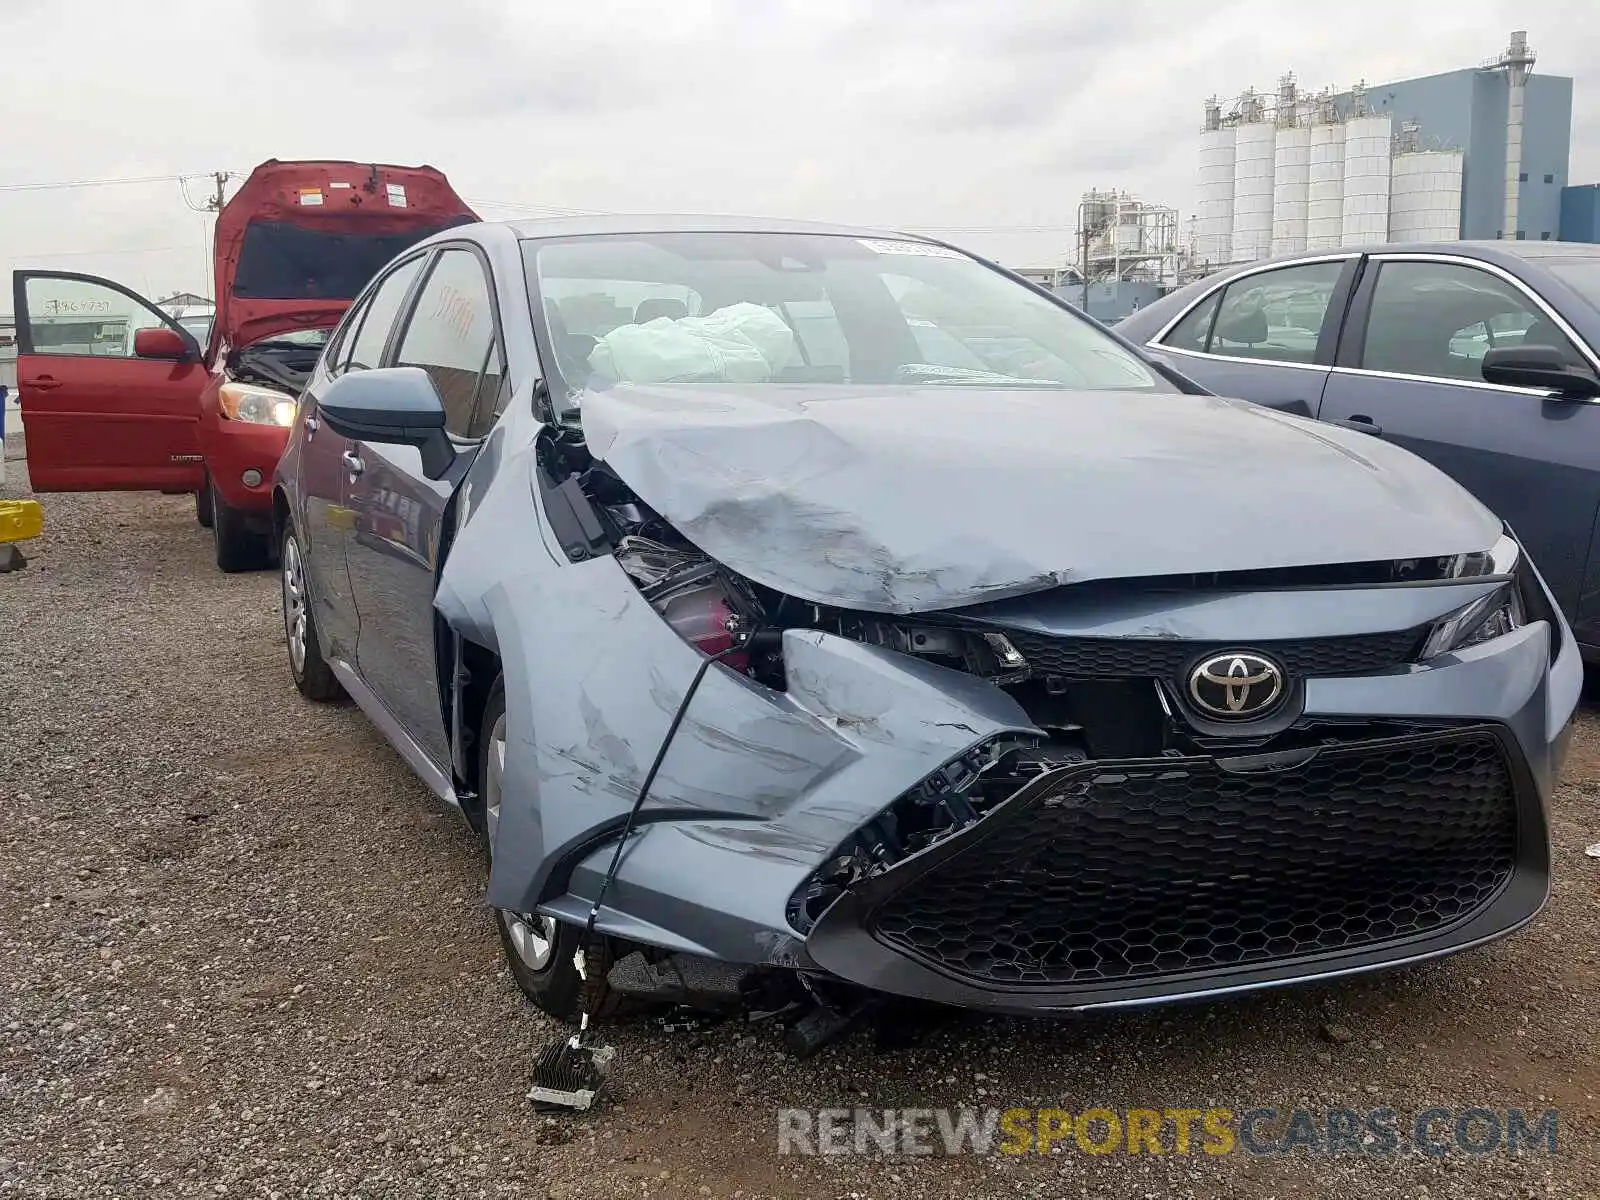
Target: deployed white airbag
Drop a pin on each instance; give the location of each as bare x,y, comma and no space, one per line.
743,343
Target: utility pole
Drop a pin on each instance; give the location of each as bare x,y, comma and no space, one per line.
1083,260
214,204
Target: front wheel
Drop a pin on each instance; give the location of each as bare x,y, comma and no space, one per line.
538,949
202,505
239,548
312,675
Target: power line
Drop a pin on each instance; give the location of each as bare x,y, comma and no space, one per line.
219,178
95,253
552,210
212,203
56,185
987,228
558,211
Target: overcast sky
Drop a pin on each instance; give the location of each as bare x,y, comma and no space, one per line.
983,122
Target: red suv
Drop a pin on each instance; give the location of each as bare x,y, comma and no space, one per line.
117,395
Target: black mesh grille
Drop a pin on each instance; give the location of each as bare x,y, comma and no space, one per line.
1150,869
1120,658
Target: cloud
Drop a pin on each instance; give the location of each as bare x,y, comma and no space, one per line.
988,121
473,59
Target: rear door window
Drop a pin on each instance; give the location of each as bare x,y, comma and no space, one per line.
1275,315
1194,331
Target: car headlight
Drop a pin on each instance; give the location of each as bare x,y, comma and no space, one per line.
1501,559
257,405
1486,618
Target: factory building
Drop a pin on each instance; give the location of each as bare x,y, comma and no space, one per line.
1128,255
1475,153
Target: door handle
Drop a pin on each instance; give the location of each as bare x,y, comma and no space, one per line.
44,383
1361,424
312,425
353,463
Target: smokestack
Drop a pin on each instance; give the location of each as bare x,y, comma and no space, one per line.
1517,62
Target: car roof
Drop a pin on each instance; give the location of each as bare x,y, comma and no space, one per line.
614,223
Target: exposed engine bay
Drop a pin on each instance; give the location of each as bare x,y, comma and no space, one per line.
284,362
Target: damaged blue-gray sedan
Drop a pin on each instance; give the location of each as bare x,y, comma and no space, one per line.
815,615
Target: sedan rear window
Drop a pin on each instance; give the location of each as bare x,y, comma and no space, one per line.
773,308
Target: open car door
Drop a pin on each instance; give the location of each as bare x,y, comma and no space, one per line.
109,387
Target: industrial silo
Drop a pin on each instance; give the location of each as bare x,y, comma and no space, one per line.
1325,187
1255,148
1366,180
1291,180
1213,224
1425,196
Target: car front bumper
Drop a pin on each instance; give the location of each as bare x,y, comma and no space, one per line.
235,449
1128,882
1119,883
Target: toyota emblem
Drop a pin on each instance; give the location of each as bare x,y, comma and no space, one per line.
1236,686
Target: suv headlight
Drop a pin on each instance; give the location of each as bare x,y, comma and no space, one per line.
257,405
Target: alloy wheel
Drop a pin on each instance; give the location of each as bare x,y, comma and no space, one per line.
533,937
294,604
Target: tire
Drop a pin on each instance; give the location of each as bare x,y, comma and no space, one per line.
539,950
202,505
310,671
239,548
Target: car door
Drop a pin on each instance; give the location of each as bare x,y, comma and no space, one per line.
1267,335
1410,366
324,480
97,415
394,550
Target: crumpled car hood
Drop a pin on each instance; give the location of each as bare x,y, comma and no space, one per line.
921,499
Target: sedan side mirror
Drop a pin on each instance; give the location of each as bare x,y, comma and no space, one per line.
394,405
162,342
1538,367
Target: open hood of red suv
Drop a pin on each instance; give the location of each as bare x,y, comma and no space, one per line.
300,239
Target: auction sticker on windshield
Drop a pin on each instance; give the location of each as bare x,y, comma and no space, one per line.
925,249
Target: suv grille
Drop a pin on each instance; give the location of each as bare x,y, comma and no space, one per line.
1135,870
1160,658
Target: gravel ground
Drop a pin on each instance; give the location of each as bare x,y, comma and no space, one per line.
243,953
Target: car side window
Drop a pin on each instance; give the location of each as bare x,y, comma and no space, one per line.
86,318
1275,315
366,346
1438,320
337,355
1194,331
451,336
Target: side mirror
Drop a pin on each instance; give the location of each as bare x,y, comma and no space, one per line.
394,405
162,342
1538,367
